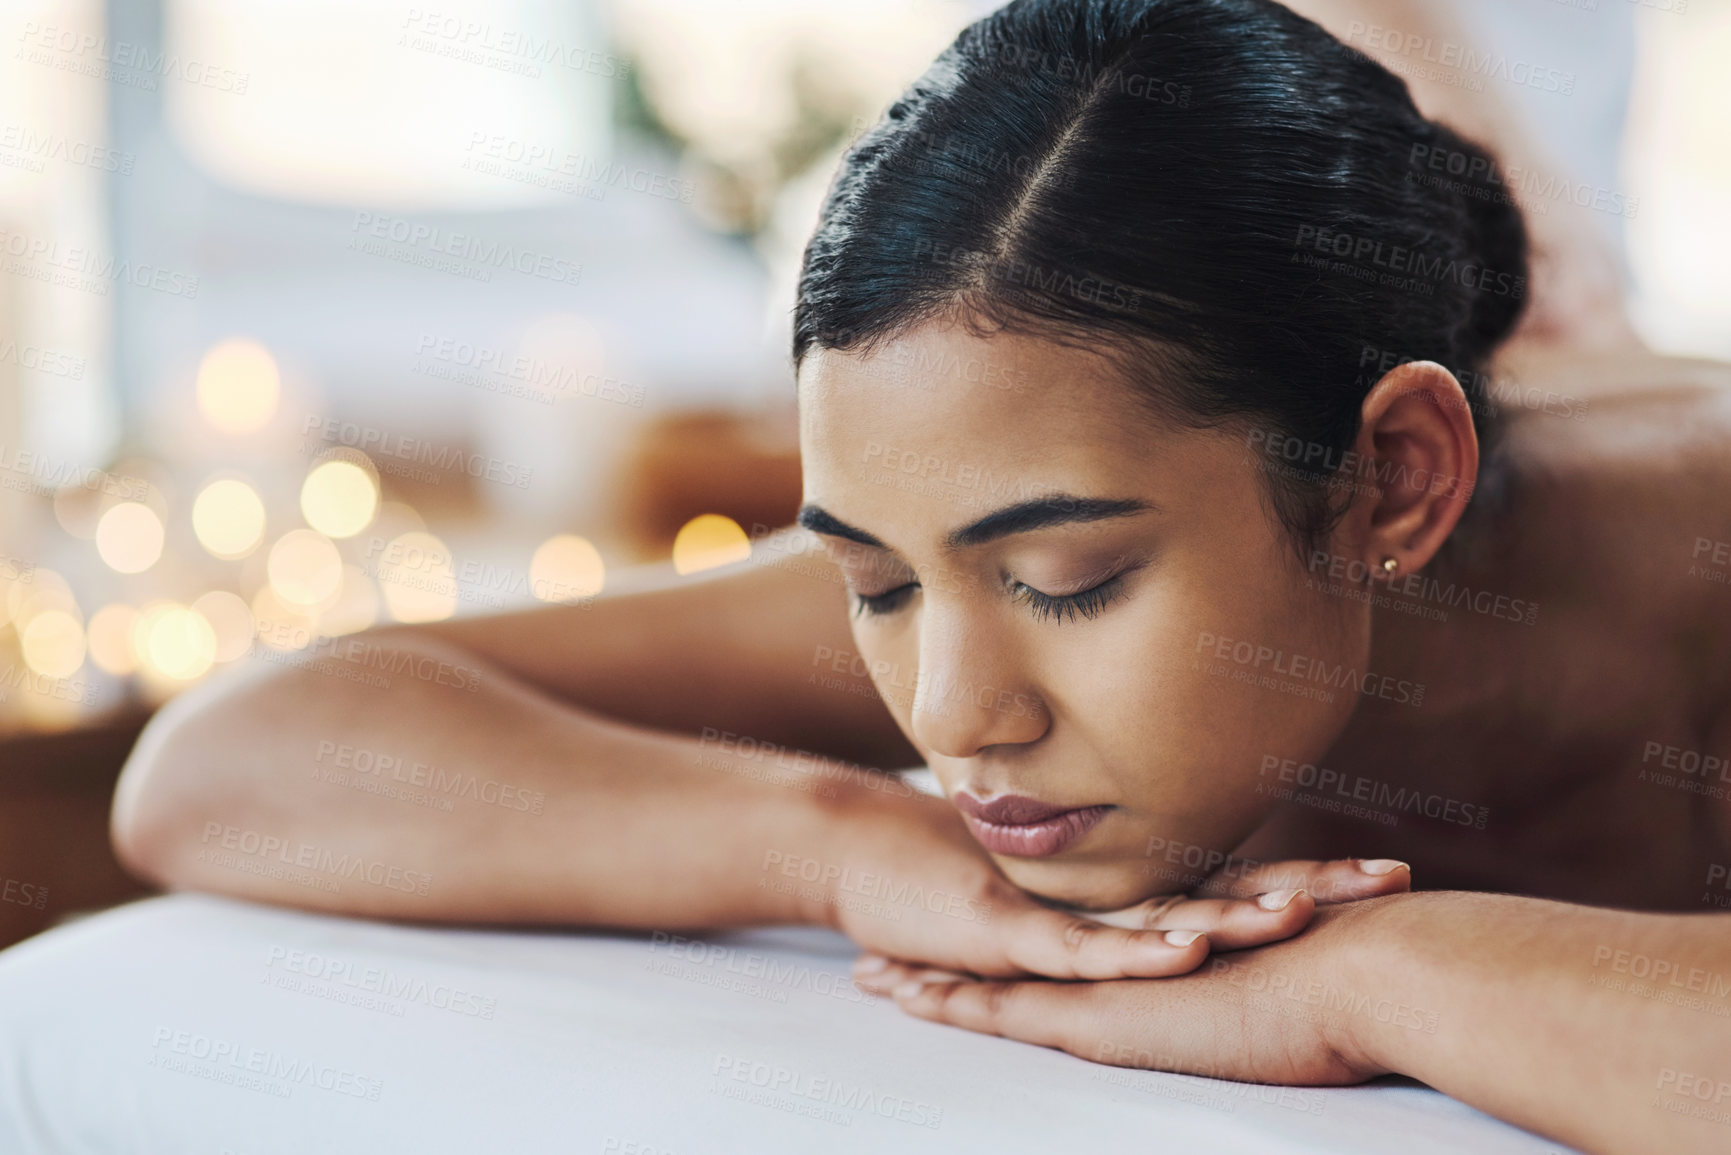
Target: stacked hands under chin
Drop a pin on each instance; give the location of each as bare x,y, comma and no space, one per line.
1191,982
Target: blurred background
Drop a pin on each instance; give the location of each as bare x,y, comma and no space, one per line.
323,314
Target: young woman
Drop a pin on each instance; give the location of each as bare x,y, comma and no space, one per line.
1199,528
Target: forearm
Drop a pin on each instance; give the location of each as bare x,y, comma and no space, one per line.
1542,1017
484,801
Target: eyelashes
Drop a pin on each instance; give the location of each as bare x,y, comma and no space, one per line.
1086,605
888,602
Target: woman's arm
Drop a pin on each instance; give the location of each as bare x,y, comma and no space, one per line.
761,648
398,774
1609,1030
1605,1029
464,793
510,758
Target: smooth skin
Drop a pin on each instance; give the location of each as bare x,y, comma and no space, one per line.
1626,644
1124,673
1502,1001
651,820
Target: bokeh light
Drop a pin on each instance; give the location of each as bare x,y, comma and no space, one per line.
129,537
53,644
15,578
238,386
142,625
175,642
35,591
566,568
356,606
281,626
305,568
416,579
339,498
228,519
707,541
110,636
230,620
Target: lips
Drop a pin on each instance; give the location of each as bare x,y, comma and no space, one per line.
1026,827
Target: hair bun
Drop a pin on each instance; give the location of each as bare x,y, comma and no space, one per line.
1495,235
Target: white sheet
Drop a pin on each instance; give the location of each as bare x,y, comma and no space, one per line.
193,1025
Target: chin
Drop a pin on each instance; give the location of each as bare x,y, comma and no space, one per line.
1088,886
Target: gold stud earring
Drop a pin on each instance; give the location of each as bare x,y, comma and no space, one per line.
1389,565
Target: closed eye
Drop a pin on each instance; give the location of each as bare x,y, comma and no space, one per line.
1087,604
888,602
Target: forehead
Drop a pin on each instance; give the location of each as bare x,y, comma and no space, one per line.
940,399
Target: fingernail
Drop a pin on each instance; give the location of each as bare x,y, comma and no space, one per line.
870,964
1182,937
909,990
1277,899
1381,865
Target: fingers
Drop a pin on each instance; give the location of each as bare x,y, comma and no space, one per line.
875,973
1144,915
1044,1013
1197,1024
1047,942
1332,881
1265,903
880,975
1229,923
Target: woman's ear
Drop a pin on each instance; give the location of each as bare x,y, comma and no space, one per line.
1420,455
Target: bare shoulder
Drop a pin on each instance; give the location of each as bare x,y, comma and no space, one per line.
1628,451
1601,374
1623,507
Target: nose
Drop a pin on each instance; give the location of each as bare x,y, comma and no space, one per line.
972,691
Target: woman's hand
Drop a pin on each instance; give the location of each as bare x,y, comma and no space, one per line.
1290,1012
908,881
1218,898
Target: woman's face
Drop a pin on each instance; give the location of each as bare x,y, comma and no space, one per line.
1064,600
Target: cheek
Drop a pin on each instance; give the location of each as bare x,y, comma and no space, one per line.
1196,684
890,655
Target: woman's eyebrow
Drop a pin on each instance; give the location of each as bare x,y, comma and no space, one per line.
1022,517
1040,513
820,521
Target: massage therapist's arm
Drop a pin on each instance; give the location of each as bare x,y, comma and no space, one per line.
1575,294
587,722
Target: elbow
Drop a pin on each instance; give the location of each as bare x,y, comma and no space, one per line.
214,758
170,783
148,801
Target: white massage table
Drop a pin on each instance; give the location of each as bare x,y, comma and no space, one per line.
195,1025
